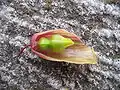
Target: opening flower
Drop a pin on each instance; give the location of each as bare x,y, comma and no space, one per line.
63,46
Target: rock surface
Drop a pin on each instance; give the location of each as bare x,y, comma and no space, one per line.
98,25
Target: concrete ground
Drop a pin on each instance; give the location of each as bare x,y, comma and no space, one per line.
97,23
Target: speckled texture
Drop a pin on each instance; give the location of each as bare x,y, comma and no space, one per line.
97,24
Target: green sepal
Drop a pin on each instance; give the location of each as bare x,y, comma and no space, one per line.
59,43
44,43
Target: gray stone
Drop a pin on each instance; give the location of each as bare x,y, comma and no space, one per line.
95,22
